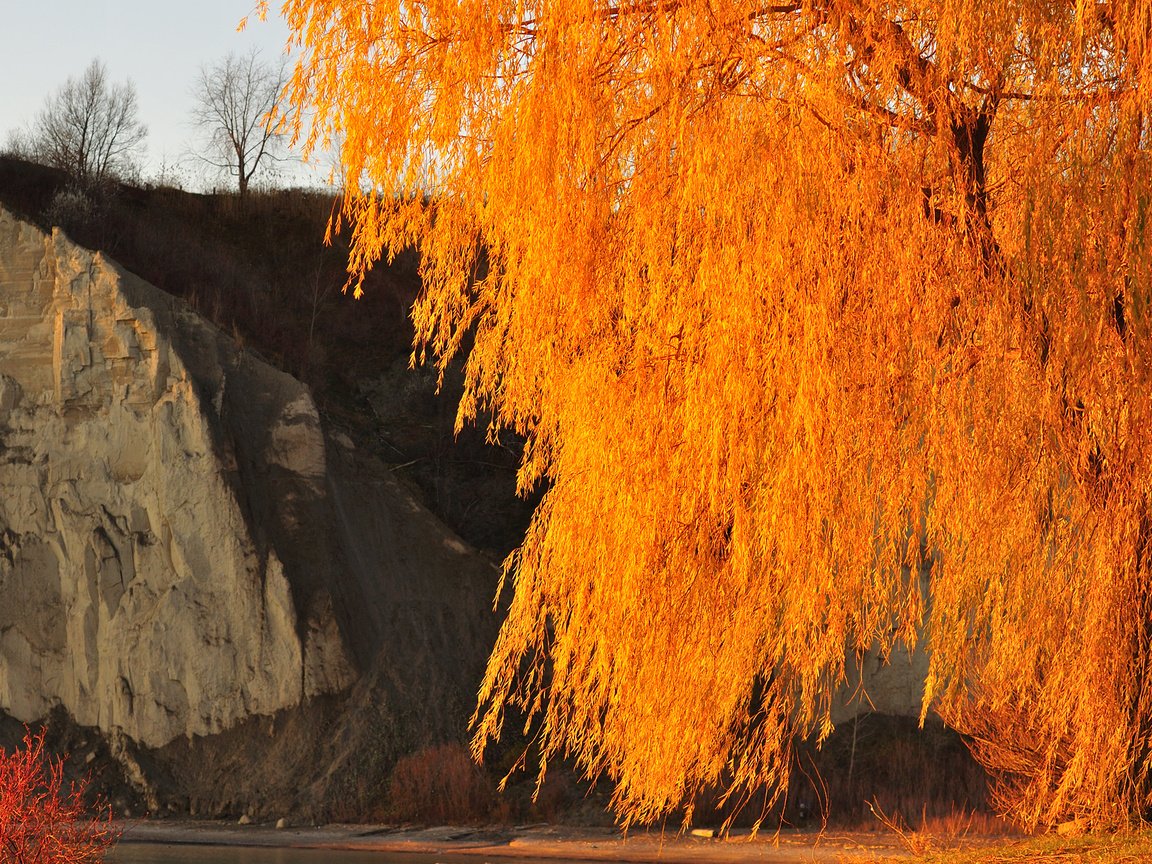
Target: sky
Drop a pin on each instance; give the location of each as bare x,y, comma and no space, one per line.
159,46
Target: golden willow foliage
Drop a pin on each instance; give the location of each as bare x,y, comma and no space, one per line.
827,326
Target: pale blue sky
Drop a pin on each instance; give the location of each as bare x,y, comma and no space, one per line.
158,44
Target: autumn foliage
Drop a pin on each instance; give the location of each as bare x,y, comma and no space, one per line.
43,820
827,325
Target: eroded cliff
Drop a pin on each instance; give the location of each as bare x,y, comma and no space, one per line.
182,546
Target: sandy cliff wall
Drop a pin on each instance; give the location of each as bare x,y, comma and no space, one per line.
135,590
175,554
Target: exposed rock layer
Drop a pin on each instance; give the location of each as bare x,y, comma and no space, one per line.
181,546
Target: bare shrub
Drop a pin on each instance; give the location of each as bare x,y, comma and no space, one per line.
440,784
71,208
43,819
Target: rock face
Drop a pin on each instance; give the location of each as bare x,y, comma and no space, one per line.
177,552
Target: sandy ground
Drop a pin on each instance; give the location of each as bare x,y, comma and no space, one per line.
536,842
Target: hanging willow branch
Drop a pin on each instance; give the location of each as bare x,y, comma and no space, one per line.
827,324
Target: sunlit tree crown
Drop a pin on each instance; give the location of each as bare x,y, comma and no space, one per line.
827,327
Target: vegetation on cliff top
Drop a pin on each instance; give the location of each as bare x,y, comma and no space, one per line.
827,324
259,270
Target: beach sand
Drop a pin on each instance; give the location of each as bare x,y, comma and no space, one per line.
550,842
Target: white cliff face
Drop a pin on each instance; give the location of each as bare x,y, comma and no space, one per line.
139,586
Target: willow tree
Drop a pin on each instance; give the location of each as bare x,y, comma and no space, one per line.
827,327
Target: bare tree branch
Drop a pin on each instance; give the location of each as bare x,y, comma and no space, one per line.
236,100
89,128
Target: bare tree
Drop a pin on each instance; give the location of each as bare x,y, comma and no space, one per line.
89,128
235,104
18,144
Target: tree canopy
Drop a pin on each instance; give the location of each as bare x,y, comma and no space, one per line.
89,128
827,326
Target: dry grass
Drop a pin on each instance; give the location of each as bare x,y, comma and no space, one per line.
936,834
1128,848
962,824
973,837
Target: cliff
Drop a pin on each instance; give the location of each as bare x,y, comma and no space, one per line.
185,548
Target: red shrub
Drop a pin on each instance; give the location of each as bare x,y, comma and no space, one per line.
41,822
440,785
